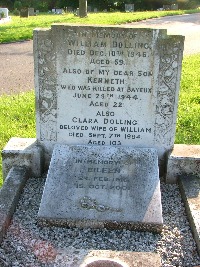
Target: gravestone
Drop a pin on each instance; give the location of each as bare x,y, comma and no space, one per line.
82,8
167,7
113,187
24,13
4,11
129,7
69,9
89,9
95,10
174,7
59,11
31,11
106,106
106,86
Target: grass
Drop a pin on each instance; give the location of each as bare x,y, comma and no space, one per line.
22,28
188,123
18,113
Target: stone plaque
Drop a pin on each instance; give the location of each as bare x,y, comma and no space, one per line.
102,186
107,86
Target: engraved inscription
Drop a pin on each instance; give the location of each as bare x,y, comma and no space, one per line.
110,81
108,86
101,174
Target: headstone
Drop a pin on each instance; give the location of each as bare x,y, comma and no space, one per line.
89,9
4,11
69,9
90,186
37,12
106,86
24,13
59,11
166,7
129,7
95,10
83,8
174,7
31,11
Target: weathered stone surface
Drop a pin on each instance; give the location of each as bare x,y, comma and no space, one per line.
105,258
4,11
184,160
129,7
24,12
106,86
9,196
95,186
31,11
23,152
190,188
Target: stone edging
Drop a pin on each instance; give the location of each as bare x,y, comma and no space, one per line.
9,196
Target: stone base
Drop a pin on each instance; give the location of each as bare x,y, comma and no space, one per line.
103,187
184,160
22,152
105,258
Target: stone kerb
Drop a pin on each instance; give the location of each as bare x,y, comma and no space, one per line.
106,86
9,196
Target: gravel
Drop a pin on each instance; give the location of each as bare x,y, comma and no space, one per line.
28,244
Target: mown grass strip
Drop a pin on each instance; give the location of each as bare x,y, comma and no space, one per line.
188,123
22,28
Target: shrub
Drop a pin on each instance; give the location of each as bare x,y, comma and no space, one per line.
16,12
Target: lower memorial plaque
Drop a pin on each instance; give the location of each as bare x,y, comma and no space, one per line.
95,186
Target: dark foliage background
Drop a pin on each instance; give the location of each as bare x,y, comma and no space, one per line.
110,5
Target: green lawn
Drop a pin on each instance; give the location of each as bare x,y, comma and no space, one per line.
188,124
22,28
18,113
